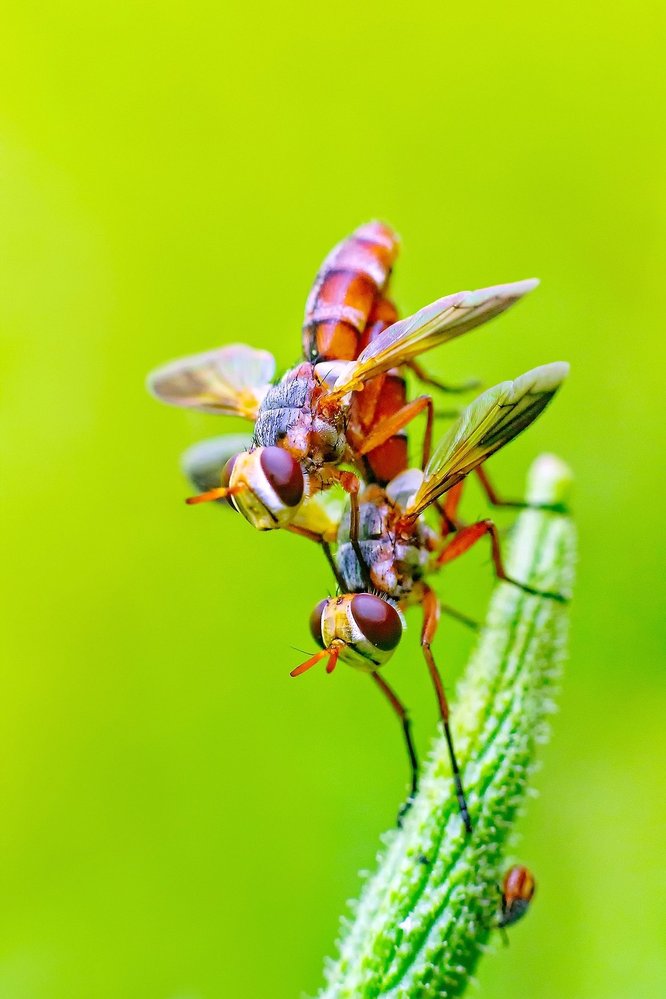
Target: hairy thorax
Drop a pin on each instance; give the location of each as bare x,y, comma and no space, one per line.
291,416
395,561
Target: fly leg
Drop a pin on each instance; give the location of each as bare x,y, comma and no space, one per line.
328,555
351,485
468,536
398,421
401,712
501,922
430,620
457,615
427,379
495,500
319,539
448,510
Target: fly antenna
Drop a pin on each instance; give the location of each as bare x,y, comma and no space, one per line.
332,659
221,492
331,654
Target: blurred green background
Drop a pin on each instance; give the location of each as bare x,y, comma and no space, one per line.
180,819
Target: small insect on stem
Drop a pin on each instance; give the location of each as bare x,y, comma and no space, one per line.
518,888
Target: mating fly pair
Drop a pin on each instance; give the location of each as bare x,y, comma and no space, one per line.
346,405
342,406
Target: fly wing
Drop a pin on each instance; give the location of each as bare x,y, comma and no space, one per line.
231,380
488,423
203,463
435,324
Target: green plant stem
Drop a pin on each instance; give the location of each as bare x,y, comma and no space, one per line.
426,913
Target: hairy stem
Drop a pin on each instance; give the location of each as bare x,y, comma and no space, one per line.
425,914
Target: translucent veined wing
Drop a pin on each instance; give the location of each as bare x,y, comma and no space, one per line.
231,380
203,462
488,423
435,324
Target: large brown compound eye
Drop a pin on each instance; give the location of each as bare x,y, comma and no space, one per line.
284,474
378,620
315,622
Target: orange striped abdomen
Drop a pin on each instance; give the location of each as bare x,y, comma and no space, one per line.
349,283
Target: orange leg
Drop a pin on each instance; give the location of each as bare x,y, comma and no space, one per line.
398,421
452,501
401,712
495,500
468,536
427,379
448,510
430,622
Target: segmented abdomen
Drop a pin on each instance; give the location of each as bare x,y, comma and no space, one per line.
350,281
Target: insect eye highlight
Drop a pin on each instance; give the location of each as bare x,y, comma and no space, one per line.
378,620
284,474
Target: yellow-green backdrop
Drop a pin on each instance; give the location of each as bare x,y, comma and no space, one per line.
180,820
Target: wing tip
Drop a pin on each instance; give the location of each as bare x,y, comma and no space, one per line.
558,371
502,295
548,377
515,289
159,383
152,381
528,284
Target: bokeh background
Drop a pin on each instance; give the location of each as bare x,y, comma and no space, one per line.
180,820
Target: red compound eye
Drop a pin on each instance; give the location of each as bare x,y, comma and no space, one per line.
378,620
284,474
315,622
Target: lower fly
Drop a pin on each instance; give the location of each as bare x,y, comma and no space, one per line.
363,625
